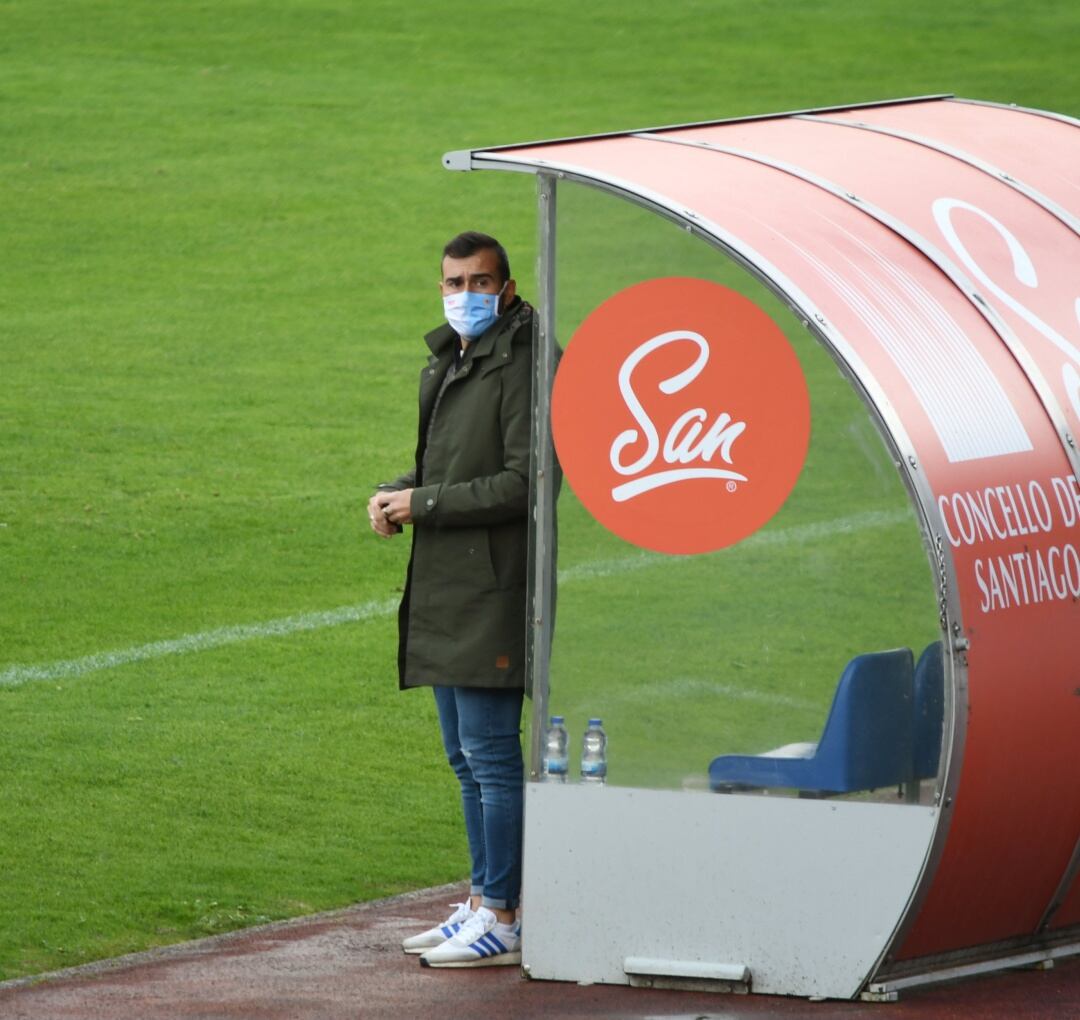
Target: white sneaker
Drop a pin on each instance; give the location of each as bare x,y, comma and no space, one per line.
440,933
480,942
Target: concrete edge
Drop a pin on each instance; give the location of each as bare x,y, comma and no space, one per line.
196,947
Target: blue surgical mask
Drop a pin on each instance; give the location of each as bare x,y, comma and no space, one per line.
470,313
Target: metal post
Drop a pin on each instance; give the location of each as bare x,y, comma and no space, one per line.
542,533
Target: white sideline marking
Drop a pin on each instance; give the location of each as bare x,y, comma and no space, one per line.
788,536
649,694
15,676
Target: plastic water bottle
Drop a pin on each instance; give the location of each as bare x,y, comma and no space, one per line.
594,753
556,751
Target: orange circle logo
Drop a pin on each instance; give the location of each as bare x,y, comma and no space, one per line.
680,415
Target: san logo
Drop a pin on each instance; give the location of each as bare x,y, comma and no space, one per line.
680,415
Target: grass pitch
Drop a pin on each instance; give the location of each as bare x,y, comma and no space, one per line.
221,235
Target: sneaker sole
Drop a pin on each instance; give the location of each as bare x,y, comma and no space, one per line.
502,960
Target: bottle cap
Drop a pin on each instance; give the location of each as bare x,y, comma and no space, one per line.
595,722
556,720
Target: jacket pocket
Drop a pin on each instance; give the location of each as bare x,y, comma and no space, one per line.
508,553
467,561
450,566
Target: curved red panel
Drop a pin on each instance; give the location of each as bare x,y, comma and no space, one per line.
1019,257
1047,159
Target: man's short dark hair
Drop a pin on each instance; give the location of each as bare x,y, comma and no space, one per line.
472,241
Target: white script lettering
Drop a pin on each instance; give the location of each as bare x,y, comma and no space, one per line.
684,442
1024,273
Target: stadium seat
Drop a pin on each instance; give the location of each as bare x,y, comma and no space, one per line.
866,743
929,711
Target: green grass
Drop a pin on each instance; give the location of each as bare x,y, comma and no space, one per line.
221,225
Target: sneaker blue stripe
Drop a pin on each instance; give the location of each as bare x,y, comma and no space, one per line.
499,947
480,949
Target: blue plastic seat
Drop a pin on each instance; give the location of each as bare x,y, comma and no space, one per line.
866,743
929,711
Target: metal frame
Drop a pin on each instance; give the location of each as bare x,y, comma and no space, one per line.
461,159
1049,115
1072,869
889,989
542,548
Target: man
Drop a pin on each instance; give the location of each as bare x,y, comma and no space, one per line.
462,618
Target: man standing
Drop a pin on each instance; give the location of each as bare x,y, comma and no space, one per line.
462,618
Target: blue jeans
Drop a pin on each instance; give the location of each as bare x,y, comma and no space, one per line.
481,732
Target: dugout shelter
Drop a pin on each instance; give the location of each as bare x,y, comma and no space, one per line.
818,547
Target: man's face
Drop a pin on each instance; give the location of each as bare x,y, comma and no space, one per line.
478,272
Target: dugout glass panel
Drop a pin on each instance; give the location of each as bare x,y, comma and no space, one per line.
737,651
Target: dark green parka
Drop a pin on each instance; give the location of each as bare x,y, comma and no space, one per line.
462,618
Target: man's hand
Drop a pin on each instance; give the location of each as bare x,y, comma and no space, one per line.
388,510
